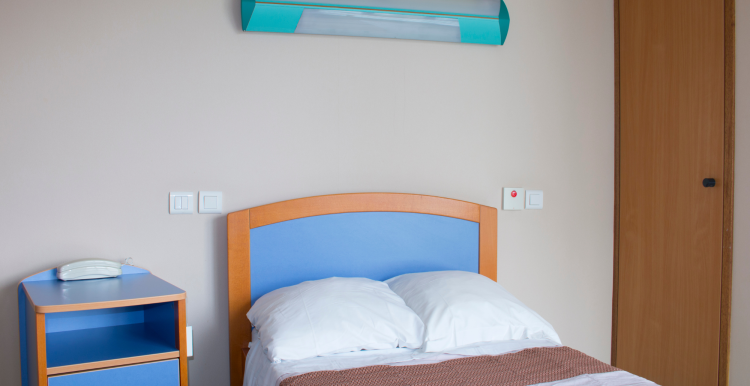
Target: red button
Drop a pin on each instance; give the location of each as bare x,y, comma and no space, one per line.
513,194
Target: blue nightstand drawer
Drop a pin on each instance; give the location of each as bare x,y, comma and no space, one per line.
166,373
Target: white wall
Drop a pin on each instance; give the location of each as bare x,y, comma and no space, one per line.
739,370
107,106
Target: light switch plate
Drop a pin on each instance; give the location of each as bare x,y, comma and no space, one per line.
209,202
534,199
189,345
513,198
180,202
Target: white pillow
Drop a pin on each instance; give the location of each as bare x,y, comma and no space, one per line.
461,308
332,316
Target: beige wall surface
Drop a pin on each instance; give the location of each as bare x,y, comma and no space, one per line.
739,372
106,106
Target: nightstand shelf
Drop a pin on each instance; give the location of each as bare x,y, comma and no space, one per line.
93,345
76,333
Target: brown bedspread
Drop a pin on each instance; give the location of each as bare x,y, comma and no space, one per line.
527,367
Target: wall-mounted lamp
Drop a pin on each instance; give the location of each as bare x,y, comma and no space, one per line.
459,21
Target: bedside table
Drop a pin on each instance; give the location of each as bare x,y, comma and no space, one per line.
128,330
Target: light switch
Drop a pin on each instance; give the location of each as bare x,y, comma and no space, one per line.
180,202
534,199
513,198
209,202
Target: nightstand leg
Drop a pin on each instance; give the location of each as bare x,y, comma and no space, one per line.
182,339
41,350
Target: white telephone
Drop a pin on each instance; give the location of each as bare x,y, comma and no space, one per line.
89,269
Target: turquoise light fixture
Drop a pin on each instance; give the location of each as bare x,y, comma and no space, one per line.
459,21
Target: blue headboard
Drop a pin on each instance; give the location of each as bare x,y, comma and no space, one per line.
375,245
373,235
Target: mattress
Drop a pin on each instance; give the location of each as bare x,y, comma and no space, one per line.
260,371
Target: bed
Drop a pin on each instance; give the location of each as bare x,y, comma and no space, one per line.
376,236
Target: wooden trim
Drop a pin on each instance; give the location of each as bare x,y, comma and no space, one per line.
728,185
238,267
616,229
111,363
182,341
108,304
362,202
488,242
41,350
176,317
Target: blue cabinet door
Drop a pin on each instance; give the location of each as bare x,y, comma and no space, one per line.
166,373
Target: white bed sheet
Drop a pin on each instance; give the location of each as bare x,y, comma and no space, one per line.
260,371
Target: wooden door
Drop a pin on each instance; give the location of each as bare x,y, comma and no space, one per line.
671,56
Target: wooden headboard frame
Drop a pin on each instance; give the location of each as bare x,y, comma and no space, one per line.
238,244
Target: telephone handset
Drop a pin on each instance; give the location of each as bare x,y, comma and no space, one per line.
89,269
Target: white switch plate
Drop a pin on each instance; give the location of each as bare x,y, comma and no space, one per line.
513,198
534,199
180,202
209,202
189,336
